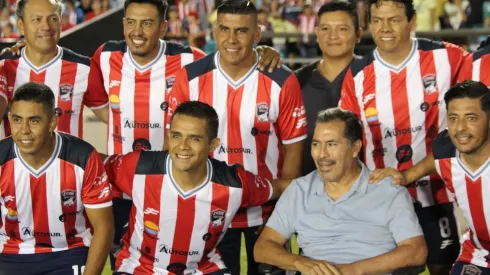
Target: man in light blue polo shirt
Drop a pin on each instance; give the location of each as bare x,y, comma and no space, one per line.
345,225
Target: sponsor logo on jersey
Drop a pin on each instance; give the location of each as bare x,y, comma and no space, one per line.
114,83
301,123
63,216
100,179
164,106
389,133
379,150
66,92
27,231
469,269
262,112
146,252
299,111
151,211
177,268
68,197
169,250
8,198
151,229
368,98
254,132
430,83
218,217
132,124
223,149
104,193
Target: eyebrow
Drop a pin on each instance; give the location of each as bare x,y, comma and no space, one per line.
31,117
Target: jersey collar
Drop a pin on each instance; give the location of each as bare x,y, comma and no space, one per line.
43,67
236,84
37,173
190,193
162,48
400,67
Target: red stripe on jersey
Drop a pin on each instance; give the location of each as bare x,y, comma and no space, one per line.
67,77
69,182
233,115
40,212
142,105
151,213
116,61
40,77
484,65
369,89
11,221
445,166
10,66
399,99
183,228
476,209
221,196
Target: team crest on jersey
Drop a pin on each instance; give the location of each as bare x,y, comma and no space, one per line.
217,217
430,83
262,112
470,269
68,197
66,92
170,83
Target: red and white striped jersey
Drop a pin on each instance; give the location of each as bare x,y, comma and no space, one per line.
471,191
306,25
257,115
74,79
475,66
402,108
172,231
138,94
43,210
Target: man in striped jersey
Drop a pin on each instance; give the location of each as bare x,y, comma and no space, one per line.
397,91
476,64
183,201
55,200
75,80
461,156
263,123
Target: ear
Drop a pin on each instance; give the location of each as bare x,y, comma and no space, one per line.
413,23
359,33
214,144
163,28
20,26
10,118
53,123
258,35
356,148
316,32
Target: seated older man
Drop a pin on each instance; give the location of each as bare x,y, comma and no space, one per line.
344,224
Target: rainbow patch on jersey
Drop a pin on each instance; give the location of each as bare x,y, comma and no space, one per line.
115,103
12,215
151,229
372,116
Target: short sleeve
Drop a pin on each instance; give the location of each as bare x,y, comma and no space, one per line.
402,220
120,170
281,219
178,94
457,57
3,82
291,121
96,192
443,147
348,99
466,71
256,190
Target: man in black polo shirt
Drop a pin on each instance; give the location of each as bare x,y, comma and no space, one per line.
337,33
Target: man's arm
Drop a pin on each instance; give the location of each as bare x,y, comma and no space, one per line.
96,97
102,221
291,168
424,168
102,113
411,252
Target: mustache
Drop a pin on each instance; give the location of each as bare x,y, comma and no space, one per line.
325,161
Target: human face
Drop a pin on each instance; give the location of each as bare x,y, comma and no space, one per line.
41,26
189,144
143,29
336,34
333,154
467,124
31,125
390,27
235,36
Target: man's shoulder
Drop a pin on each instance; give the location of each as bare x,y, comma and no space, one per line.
6,150
385,187
200,67
71,56
304,73
114,46
279,75
359,63
75,150
177,49
305,184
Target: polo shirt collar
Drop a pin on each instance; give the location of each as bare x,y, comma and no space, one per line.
360,185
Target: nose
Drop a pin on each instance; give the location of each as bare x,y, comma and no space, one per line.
44,25
386,27
333,34
460,125
25,127
324,151
232,38
183,144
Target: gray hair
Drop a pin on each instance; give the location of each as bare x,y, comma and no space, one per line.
20,5
352,129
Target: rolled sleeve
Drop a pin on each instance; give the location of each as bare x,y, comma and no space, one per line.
403,222
281,219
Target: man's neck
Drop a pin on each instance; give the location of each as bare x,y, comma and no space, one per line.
143,60
40,59
331,67
336,190
236,72
38,159
397,58
188,180
475,160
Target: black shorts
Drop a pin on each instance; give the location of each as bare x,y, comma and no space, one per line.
218,272
70,262
441,233
462,268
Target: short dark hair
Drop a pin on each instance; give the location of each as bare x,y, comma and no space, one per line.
200,110
409,7
21,4
239,7
469,89
35,92
352,129
161,6
341,5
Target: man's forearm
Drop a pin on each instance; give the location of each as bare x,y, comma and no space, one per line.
99,249
102,113
402,256
269,252
293,157
424,168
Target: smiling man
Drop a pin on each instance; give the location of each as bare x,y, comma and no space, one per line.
397,91
344,224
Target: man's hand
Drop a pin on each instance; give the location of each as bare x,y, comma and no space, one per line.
348,269
379,174
269,57
312,267
15,49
